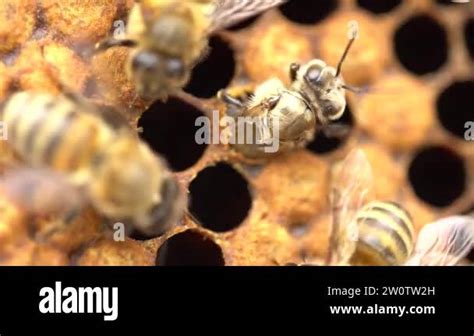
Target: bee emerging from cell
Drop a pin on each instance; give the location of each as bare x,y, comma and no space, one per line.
314,100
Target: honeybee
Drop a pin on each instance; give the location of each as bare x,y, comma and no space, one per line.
27,195
315,98
373,233
120,175
170,36
444,242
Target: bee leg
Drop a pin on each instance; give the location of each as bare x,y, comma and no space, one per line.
111,42
163,216
228,99
235,106
336,130
357,90
272,102
112,116
71,95
294,68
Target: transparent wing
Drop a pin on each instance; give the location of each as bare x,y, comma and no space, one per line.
350,185
444,242
228,12
41,192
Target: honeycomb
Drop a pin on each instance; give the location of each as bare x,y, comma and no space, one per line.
415,56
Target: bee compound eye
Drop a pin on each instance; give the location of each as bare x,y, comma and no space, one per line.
146,61
175,67
313,74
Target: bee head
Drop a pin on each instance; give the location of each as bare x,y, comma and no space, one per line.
325,86
165,214
157,74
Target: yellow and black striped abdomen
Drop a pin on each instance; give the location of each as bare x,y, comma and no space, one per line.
52,131
386,234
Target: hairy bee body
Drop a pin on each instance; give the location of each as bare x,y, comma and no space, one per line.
28,196
51,132
122,177
182,25
170,38
315,98
386,234
271,110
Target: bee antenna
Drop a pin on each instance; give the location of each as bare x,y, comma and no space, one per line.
356,90
352,34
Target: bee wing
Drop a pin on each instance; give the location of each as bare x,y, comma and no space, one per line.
254,118
444,242
110,115
351,182
226,13
41,192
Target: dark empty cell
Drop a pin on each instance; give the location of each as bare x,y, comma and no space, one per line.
308,11
378,6
219,198
214,72
190,248
169,128
323,143
137,235
469,36
421,45
455,107
244,24
438,176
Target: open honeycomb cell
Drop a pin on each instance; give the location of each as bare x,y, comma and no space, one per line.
190,248
414,60
421,44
